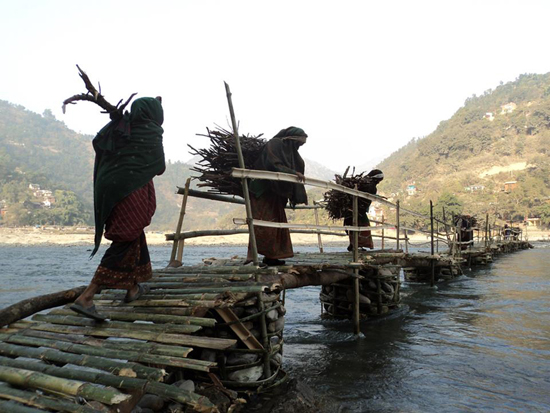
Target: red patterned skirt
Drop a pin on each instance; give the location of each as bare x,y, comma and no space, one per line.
127,262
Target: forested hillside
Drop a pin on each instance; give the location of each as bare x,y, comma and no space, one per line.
490,156
40,150
46,173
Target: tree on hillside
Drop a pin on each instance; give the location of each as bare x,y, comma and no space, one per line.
452,205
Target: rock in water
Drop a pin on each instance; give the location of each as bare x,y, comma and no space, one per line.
362,298
272,315
234,359
247,375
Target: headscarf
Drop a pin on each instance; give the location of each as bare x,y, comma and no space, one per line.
280,154
129,153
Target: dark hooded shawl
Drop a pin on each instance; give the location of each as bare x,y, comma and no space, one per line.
129,154
280,154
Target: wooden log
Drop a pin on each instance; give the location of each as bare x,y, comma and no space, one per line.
169,392
42,402
100,363
142,347
192,341
134,356
31,306
71,320
36,380
122,315
305,278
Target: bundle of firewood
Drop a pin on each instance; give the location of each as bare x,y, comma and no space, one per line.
218,160
340,205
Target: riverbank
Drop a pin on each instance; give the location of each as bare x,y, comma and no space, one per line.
59,236
44,236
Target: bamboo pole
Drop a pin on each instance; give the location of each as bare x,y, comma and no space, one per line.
123,345
134,356
249,218
127,383
71,320
437,239
383,232
42,402
36,380
243,272
432,278
319,240
314,228
397,225
486,230
177,241
356,318
14,407
111,366
156,318
214,291
183,339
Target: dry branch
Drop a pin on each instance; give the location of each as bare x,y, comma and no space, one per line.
218,160
95,96
339,205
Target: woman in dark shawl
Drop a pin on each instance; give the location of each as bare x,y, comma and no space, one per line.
269,198
365,238
129,153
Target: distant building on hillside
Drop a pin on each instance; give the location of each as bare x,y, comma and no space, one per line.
475,188
532,222
411,189
510,186
489,116
508,108
34,187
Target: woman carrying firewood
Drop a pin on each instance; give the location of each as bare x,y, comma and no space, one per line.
269,198
129,153
372,179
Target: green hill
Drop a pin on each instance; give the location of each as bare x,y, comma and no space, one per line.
39,151
490,156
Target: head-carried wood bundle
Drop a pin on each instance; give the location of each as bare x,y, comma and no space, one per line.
217,161
340,205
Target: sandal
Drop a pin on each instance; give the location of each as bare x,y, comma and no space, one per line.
89,312
142,290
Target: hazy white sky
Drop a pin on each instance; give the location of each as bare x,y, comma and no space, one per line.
360,77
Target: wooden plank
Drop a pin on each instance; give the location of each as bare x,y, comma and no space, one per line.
238,328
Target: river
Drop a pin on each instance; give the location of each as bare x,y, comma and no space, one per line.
480,343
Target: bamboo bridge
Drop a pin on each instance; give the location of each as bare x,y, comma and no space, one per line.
219,325
205,336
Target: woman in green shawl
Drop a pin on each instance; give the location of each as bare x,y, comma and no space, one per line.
129,153
269,198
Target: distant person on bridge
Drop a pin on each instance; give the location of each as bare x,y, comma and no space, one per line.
269,198
374,177
129,153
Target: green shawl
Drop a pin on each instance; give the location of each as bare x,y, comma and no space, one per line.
129,154
280,154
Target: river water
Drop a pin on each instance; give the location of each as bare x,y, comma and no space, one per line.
480,343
